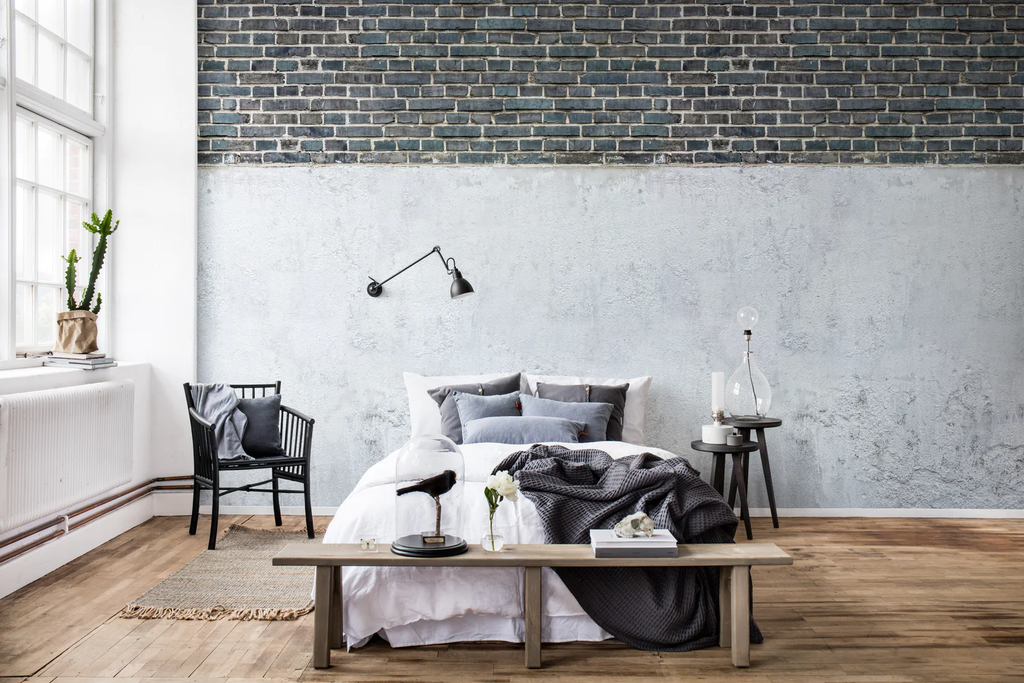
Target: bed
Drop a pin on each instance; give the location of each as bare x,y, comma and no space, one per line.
443,605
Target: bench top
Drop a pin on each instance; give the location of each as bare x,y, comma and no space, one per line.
531,555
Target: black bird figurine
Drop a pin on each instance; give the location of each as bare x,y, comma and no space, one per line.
435,487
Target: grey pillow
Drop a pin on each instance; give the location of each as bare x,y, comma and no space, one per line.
594,415
522,430
473,406
451,425
262,436
592,393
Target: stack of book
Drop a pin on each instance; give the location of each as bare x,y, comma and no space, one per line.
606,544
83,361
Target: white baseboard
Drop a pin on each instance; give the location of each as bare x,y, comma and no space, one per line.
40,561
182,506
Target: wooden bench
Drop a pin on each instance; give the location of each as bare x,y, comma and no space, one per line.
734,593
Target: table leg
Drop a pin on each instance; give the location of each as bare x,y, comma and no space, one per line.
724,606
531,610
740,615
322,617
741,485
718,472
762,444
337,609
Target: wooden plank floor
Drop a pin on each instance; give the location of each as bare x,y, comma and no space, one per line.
867,601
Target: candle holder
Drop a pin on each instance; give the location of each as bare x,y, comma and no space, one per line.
717,431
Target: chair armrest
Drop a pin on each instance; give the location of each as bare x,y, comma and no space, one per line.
296,413
296,433
199,419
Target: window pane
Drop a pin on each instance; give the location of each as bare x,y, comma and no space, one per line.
80,24
79,81
25,50
77,161
47,305
79,239
25,150
24,234
26,7
49,237
50,166
51,15
51,66
24,306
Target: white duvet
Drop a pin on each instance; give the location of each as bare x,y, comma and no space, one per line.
425,605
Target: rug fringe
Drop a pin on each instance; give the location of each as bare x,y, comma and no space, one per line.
215,613
317,530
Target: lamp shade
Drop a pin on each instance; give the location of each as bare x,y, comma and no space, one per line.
460,285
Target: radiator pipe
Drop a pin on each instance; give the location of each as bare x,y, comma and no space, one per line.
122,498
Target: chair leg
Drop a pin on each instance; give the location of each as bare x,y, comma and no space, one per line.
214,512
309,507
277,499
195,509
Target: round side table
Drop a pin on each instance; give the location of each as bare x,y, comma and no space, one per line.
739,455
758,425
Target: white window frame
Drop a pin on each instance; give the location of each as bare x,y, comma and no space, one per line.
17,94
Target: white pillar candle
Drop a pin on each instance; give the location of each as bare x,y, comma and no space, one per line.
717,391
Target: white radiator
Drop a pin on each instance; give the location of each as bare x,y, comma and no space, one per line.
61,447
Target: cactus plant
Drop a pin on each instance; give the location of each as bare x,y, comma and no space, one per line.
104,228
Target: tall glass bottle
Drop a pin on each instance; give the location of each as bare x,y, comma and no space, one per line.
747,393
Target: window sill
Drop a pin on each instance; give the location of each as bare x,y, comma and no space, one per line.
16,380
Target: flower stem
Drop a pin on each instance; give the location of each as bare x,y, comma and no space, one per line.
491,522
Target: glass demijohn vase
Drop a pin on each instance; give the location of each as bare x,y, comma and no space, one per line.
747,393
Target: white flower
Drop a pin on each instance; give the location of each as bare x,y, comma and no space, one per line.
504,485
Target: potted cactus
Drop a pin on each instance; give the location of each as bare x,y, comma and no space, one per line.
76,327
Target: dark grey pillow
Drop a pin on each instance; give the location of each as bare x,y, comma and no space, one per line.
475,407
522,430
451,425
592,393
594,415
262,436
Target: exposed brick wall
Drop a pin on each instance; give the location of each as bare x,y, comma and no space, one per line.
611,81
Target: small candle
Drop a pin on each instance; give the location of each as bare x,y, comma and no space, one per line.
717,391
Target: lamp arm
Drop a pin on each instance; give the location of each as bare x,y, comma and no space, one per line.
375,288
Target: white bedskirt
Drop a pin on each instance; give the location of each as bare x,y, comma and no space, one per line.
429,605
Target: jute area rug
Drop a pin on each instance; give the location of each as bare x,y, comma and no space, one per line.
235,581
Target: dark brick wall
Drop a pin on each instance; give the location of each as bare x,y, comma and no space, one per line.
611,81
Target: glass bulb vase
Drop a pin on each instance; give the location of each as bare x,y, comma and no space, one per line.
747,393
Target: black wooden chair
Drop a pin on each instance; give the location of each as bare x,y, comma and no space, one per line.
296,439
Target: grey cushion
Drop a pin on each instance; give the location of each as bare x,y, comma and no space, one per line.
451,425
262,436
595,416
592,393
473,406
522,430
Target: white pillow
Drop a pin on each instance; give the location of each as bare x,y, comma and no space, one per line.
636,399
424,413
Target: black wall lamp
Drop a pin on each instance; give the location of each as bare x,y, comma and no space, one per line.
460,286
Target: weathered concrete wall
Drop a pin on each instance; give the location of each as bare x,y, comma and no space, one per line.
889,298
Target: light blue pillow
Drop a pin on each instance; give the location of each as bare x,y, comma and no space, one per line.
594,416
474,406
522,430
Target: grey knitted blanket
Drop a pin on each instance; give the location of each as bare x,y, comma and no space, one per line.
665,609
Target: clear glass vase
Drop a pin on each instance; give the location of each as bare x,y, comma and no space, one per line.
747,393
492,542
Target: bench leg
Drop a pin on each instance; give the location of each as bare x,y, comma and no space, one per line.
724,606
531,610
322,617
337,609
740,616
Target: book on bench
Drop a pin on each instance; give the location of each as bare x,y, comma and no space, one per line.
605,543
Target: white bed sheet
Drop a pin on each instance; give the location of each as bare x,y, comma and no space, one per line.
428,605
